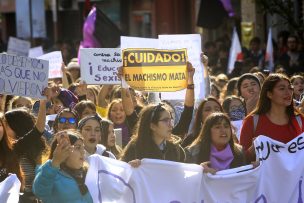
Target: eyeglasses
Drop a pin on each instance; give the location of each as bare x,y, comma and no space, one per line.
168,121
64,120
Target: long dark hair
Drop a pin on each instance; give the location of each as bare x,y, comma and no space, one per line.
82,105
143,133
264,103
198,120
22,122
204,139
105,124
8,158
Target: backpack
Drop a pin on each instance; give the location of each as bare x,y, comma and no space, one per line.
256,120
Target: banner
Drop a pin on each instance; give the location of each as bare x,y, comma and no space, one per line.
278,178
38,19
23,26
99,66
55,62
23,76
192,42
18,47
155,70
9,189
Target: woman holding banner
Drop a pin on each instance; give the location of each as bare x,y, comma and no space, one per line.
151,139
215,148
275,115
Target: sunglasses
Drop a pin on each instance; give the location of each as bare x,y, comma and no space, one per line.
64,120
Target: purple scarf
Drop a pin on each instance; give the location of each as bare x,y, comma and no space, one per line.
221,160
124,133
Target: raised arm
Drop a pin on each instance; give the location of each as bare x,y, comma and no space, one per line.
104,91
189,99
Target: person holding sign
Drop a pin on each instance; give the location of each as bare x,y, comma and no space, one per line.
274,116
29,144
215,148
151,138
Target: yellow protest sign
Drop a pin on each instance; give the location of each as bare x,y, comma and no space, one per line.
155,70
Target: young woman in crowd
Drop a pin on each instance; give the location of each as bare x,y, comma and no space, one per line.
249,88
235,108
151,138
90,129
19,101
297,82
108,137
274,116
9,162
66,119
215,148
29,143
85,108
206,107
62,177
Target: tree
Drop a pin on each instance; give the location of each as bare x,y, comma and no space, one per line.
286,10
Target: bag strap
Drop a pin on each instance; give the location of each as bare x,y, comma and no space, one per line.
255,122
299,120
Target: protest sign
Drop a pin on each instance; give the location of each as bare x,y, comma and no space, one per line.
99,65
137,42
238,126
192,43
155,69
35,52
18,47
23,76
55,62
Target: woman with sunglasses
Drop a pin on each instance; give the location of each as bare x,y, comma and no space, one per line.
152,137
90,129
65,119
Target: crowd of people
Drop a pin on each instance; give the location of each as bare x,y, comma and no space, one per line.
49,156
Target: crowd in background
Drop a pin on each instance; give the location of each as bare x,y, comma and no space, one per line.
49,156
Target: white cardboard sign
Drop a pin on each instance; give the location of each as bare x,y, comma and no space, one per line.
23,76
55,62
99,65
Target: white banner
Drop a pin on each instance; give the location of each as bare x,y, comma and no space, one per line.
192,42
23,76
99,65
18,47
278,179
9,189
55,62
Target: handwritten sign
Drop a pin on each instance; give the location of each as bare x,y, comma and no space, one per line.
55,61
192,43
35,52
18,47
23,76
99,65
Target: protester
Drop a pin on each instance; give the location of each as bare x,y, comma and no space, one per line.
90,129
85,108
19,101
108,138
215,148
66,119
205,108
249,88
274,116
9,163
151,137
235,108
297,82
30,145
62,177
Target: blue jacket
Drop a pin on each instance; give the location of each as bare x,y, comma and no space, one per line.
52,185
